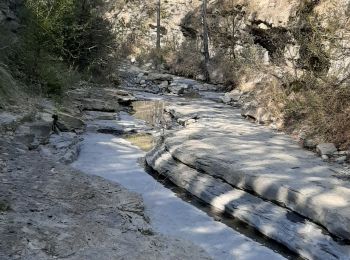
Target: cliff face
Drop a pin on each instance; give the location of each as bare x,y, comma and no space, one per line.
135,23
288,58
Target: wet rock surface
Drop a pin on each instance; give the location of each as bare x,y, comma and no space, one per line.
55,212
48,210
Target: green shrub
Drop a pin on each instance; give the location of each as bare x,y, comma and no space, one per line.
56,76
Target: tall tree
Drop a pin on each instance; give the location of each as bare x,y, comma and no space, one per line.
205,40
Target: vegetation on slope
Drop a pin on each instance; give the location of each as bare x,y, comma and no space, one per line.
57,44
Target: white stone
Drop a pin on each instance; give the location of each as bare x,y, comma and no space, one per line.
326,149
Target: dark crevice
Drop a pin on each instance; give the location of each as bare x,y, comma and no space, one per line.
292,215
224,217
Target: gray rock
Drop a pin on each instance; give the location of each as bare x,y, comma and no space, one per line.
34,134
224,145
341,159
64,147
69,123
310,144
325,157
177,89
232,97
326,149
280,224
158,77
164,84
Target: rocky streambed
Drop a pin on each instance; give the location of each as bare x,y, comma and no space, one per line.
295,202
249,171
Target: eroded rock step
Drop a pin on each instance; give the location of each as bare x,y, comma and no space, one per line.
221,216
298,234
224,145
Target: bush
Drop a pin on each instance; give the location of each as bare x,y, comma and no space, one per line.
56,76
58,40
186,61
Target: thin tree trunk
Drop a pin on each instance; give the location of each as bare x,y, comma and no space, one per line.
158,25
158,47
205,40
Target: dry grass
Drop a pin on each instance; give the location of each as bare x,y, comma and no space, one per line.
325,111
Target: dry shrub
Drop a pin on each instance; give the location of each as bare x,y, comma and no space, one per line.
325,110
186,61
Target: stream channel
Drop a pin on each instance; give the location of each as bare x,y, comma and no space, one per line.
172,210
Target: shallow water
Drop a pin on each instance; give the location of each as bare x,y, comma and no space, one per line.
152,112
117,160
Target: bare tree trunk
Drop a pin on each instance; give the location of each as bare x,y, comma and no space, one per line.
158,47
205,40
158,24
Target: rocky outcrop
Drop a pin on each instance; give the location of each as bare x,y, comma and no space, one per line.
62,147
98,99
221,148
69,123
34,134
275,222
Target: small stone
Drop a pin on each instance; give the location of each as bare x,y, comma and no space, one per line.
325,157
310,144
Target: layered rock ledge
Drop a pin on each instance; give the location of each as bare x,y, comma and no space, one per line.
220,155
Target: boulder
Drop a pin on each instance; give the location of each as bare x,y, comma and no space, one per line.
64,147
164,84
177,89
158,77
232,97
34,134
326,149
68,123
310,144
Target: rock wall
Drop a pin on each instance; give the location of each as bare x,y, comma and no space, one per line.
135,22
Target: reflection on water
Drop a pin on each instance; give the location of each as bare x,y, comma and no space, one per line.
145,142
152,112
